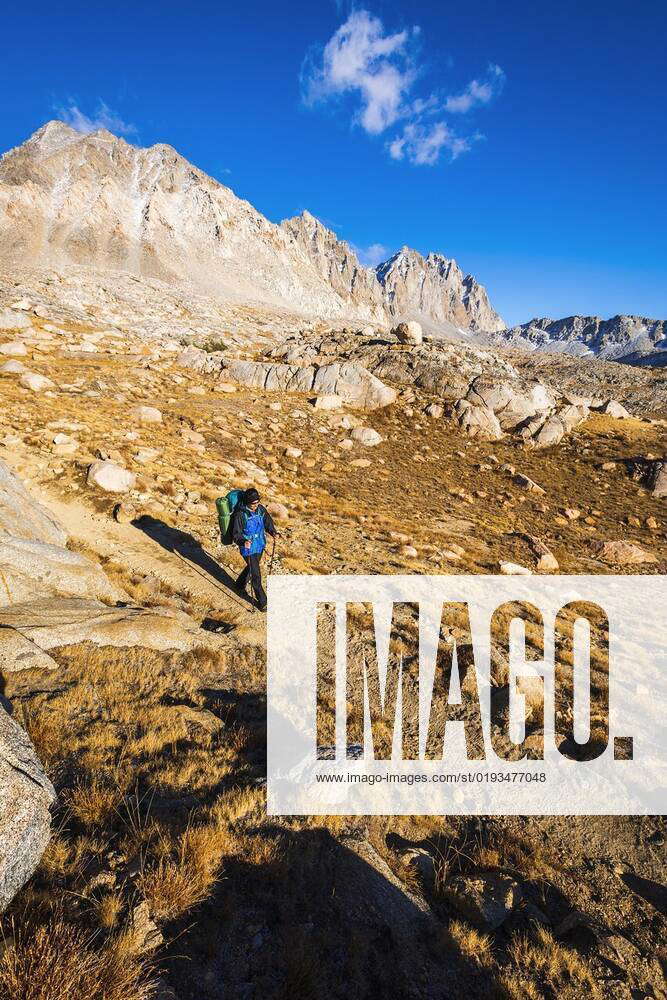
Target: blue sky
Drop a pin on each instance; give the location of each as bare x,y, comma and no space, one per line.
527,140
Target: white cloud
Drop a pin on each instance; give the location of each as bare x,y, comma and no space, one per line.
423,144
104,117
380,71
361,58
373,255
477,92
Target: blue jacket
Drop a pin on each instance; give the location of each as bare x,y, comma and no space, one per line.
251,526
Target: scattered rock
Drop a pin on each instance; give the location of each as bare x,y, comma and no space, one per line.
31,568
110,477
146,414
485,900
22,516
409,333
477,421
36,383
125,513
146,933
546,560
514,569
13,368
19,653
366,436
614,409
622,553
14,349
527,484
651,473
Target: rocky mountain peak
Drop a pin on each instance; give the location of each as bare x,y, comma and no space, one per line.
96,200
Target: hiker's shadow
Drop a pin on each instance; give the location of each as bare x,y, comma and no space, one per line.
187,547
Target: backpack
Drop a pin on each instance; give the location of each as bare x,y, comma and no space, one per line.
226,507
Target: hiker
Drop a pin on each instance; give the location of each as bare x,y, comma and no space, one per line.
250,524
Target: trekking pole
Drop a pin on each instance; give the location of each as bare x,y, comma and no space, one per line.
273,552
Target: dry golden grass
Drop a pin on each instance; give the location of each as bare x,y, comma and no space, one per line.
57,961
175,885
539,957
469,942
108,910
93,802
113,738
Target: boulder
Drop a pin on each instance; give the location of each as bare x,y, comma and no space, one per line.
13,368
477,421
622,553
10,320
36,383
366,436
30,569
146,414
19,653
110,477
348,380
53,622
513,402
556,426
25,797
192,357
434,410
14,349
546,560
409,333
486,900
614,409
24,517
354,384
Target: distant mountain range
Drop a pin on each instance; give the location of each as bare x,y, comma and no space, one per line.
97,201
630,339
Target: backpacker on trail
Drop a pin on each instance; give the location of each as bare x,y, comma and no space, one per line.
244,521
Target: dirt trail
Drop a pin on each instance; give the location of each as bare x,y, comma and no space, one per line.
169,554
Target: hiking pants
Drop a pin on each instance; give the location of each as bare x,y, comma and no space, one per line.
253,569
